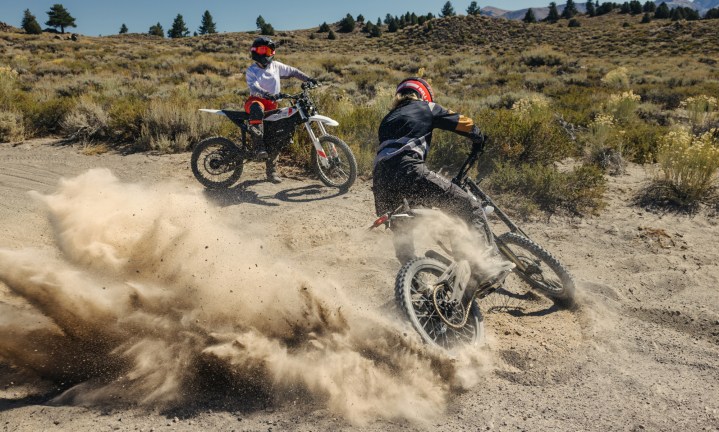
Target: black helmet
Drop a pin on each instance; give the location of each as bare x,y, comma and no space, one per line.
417,85
263,51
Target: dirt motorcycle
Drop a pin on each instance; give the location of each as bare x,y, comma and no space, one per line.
217,162
435,291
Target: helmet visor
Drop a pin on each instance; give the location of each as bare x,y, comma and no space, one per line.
264,50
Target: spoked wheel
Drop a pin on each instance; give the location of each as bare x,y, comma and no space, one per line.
539,269
339,169
414,289
216,162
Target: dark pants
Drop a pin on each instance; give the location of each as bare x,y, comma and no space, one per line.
407,177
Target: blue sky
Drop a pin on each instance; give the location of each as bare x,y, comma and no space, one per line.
103,17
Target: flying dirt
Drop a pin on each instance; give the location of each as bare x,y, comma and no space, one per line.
142,304
149,295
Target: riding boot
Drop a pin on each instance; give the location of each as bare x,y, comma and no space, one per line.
258,140
271,167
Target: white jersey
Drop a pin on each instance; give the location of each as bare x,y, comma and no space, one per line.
266,82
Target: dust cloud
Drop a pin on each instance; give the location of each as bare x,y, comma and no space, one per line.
151,298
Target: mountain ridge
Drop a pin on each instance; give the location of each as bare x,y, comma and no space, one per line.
541,12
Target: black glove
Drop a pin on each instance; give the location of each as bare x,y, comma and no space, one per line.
312,81
278,96
478,141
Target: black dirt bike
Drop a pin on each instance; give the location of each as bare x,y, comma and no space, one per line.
434,291
217,162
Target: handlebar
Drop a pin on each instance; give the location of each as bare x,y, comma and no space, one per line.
305,86
467,165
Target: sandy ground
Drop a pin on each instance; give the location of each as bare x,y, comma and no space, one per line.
640,353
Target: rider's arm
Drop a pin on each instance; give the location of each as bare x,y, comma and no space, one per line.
291,72
445,119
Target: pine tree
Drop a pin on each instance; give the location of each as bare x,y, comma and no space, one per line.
529,17
324,28
647,18
375,31
635,7
553,15
207,25
625,9
570,10
123,29
393,26
30,24
179,29
331,35
649,6
447,10
662,11
360,18
590,9
347,24
473,9
712,13
156,30
267,30
60,17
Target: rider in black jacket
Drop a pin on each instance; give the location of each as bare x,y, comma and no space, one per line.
405,137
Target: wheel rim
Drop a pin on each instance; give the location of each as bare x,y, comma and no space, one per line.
217,162
338,171
421,288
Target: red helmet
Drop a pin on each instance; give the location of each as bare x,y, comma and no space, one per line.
419,86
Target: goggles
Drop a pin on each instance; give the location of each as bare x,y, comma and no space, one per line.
264,50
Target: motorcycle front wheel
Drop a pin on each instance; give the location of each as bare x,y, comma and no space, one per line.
538,268
216,162
341,169
414,288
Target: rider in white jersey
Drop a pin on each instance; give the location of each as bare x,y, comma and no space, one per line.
263,80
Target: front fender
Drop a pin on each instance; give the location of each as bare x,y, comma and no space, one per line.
324,120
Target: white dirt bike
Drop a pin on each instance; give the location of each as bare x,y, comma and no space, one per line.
217,162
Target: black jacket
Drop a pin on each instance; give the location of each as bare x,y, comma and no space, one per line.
408,128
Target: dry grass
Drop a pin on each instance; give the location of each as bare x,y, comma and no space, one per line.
143,91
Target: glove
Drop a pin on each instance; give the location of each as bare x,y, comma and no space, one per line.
478,141
278,96
312,81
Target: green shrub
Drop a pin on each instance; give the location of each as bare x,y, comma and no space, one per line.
86,122
617,78
543,56
43,118
11,127
688,164
173,125
579,191
701,110
528,133
623,106
125,118
604,145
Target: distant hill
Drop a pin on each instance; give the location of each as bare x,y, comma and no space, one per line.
541,12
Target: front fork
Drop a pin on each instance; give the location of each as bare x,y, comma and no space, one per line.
323,157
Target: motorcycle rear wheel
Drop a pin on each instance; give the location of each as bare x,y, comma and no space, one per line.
216,162
414,286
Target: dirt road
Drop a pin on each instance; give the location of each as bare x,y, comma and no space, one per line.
134,300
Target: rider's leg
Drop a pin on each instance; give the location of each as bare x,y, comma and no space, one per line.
435,190
271,165
388,194
257,114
